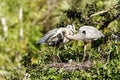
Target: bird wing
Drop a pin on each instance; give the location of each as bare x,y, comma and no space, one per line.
45,38
58,31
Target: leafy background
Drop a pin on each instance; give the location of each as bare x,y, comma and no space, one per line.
21,57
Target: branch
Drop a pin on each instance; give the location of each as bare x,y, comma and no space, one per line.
98,13
105,11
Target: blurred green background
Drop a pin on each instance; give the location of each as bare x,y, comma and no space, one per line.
23,22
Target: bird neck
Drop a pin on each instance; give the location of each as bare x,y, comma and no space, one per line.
67,35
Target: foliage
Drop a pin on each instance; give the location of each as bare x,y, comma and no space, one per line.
21,58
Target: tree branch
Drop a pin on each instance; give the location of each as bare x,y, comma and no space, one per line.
105,11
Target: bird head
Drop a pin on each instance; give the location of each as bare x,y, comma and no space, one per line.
71,27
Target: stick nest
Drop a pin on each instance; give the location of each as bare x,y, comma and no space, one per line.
71,66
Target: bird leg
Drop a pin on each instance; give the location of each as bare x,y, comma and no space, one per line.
84,54
54,59
58,54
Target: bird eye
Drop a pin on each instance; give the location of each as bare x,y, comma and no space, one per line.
58,35
84,32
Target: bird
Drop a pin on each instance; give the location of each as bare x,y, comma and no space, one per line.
58,40
85,33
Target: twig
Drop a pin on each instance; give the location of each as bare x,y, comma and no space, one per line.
104,11
101,12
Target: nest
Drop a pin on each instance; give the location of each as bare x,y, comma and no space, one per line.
73,66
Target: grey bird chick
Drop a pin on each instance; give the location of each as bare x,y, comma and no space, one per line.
84,33
58,39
